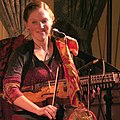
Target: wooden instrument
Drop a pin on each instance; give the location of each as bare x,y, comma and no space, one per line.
45,90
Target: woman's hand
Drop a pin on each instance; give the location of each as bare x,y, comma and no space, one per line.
49,111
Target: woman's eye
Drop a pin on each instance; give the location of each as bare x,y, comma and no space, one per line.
34,22
44,21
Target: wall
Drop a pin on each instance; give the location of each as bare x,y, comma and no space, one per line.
103,34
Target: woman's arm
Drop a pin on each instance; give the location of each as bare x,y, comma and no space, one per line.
11,86
23,102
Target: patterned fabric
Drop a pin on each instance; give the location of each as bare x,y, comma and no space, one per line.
81,113
65,45
7,46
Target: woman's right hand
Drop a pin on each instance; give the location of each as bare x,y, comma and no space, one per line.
49,111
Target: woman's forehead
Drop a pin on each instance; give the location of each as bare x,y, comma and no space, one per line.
39,13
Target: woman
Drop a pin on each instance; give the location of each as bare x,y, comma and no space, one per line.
33,60
34,64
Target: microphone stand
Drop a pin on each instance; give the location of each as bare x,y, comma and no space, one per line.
108,99
88,65
85,67
89,84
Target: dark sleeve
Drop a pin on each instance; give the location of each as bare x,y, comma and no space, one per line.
13,76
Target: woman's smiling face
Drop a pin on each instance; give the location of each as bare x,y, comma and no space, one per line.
39,24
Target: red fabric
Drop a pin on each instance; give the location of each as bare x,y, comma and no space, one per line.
18,117
71,73
6,47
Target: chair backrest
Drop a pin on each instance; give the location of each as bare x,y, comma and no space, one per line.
7,46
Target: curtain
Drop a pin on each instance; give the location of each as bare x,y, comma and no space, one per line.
83,15
3,33
11,16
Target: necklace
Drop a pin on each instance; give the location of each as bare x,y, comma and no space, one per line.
46,56
40,53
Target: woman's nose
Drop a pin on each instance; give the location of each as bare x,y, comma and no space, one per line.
41,25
